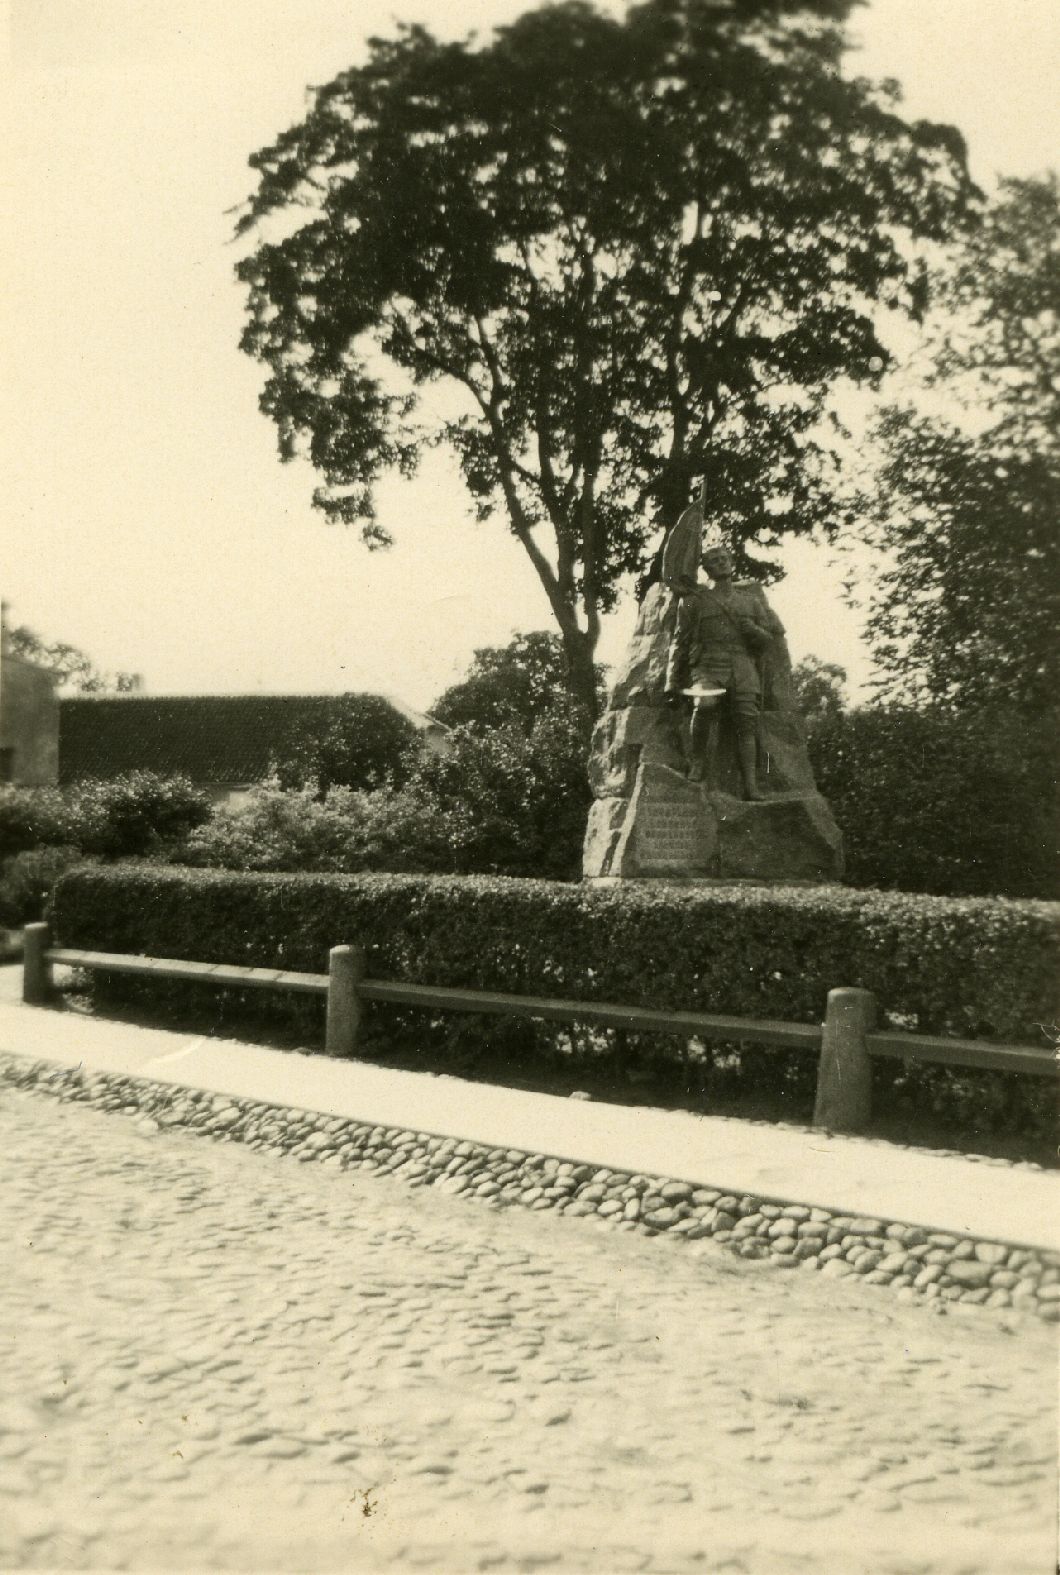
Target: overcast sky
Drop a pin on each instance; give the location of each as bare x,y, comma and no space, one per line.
147,518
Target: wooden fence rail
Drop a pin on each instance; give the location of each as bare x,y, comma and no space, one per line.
845,1042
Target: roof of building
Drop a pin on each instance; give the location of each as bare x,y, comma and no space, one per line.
220,739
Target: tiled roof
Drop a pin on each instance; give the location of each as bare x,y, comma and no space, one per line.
221,739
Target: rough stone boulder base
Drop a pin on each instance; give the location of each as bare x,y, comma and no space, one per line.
783,839
648,820
671,827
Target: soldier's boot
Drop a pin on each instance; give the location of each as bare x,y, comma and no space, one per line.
703,744
747,754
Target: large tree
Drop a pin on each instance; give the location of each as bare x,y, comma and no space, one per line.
639,250
964,609
514,684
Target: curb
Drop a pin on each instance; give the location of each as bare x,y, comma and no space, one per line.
919,1265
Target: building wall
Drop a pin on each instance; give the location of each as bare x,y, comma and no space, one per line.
29,723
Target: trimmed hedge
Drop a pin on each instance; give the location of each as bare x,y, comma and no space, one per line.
966,966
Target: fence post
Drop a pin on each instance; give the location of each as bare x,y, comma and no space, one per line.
844,1075
345,971
36,969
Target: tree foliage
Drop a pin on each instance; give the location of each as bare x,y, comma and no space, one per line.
71,666
956,802
964,610
819,688
502,801
518,683
637,250
361,741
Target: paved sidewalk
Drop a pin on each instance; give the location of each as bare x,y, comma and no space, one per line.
986,1199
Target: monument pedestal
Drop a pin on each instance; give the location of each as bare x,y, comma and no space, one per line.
648,821
672,828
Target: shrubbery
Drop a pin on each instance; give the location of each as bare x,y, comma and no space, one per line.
27,880
498,802
43,830
966,966
962,804
928,801
508,801
971,967
133,814
30,817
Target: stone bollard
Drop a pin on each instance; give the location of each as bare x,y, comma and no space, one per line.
345,971
36,969
844,1076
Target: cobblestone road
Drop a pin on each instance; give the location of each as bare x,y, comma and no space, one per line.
216,1359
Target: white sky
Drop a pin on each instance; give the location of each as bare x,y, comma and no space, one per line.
146,517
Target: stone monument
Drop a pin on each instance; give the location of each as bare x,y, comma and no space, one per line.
698,765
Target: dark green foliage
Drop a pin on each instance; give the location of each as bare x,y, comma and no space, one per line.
638,250
358,741
818,688
934,801
964,609
27,880
30,817
519,683
501,801
965,966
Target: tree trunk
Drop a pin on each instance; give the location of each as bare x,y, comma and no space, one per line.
581,673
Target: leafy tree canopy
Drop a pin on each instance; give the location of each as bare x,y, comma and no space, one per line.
518,683
819,688
357,741
965,608
71,666
639,250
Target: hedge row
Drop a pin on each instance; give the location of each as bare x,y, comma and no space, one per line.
967,966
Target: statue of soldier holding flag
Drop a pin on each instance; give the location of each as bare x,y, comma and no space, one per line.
718,652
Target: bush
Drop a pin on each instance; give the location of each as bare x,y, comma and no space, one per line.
961,804
507,802
120,818
30,817
500,803
339,832
134,814
27,879
972,967
277,829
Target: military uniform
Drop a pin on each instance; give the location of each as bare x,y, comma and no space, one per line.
716,643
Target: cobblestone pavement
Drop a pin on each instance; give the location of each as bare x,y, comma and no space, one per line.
216,1359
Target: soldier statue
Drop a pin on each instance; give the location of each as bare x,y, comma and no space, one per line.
720,646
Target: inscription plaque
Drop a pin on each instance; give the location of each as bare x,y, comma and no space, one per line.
669,834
